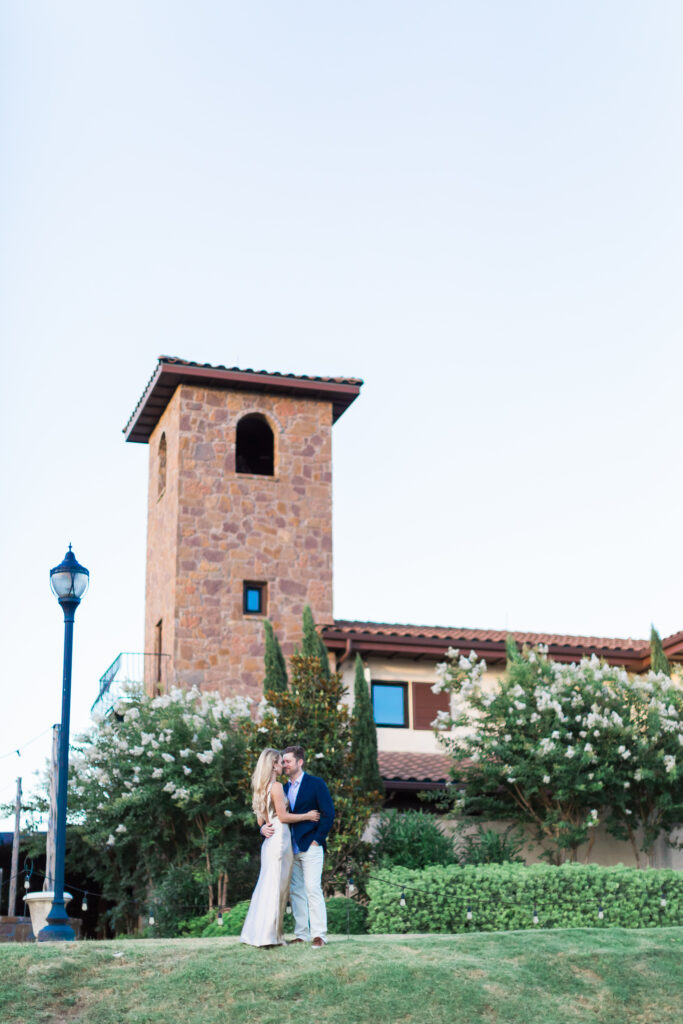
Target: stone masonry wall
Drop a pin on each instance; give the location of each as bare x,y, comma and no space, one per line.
162,544
234,527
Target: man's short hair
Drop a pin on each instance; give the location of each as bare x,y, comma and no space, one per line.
299,753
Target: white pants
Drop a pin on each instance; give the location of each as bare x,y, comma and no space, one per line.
306,894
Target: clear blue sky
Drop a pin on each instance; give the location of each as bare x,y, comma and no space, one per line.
474,207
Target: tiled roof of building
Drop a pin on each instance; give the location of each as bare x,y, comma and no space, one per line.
396,640
413,768
171,371
455,634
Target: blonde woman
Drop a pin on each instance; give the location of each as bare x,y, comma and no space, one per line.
264,922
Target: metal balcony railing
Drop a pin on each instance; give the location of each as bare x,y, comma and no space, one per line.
129,668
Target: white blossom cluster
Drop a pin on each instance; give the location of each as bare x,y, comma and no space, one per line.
133,757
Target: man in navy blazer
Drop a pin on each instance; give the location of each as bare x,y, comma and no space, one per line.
307,793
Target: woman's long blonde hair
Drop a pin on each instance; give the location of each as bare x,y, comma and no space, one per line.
260,781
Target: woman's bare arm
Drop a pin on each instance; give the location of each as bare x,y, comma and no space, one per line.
285,815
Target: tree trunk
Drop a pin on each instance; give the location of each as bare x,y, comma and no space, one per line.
634,845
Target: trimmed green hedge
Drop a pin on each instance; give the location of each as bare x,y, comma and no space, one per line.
504,896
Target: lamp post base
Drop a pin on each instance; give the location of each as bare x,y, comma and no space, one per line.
56,933
57,927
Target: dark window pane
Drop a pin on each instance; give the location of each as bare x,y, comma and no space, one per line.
388,702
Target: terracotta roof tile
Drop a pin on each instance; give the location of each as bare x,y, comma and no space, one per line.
176,361
171,371
410,767
458,636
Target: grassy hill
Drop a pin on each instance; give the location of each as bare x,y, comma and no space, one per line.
552,977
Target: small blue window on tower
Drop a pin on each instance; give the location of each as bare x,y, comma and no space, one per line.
254,599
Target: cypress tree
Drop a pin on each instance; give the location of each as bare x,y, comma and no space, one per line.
511,649
658,659
324,658
309,643
312,645
364,734
276,668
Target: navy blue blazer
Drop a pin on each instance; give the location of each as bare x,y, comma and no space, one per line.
313,795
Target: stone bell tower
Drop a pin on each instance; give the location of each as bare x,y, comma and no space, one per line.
239,519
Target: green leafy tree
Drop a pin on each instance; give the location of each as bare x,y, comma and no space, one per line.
312,714
276,667
364,733
658,659
565,747
156,805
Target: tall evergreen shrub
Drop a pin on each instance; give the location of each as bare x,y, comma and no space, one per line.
276,668
364,734
658,659
312,645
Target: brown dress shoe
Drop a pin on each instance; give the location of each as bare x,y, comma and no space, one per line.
317,943
292,942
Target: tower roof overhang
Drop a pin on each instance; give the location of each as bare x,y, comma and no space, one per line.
170,372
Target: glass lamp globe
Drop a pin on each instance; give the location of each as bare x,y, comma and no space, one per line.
69,580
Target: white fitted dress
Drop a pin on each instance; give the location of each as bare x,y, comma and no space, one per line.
264,924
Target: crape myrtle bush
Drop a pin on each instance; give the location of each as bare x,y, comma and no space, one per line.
157,810
565,748
503,897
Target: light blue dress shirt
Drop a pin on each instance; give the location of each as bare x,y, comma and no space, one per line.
292,794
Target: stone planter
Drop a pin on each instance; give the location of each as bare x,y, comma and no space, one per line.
39,905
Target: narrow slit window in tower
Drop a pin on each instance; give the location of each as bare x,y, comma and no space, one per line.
162,466
158,650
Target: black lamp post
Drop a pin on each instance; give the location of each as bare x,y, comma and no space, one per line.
69,582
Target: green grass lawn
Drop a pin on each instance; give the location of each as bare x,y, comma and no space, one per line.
542,977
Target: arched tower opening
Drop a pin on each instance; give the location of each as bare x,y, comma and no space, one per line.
255,446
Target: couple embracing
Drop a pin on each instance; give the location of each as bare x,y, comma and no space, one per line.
291,859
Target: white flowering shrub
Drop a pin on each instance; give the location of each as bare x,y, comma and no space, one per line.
566,747
156,790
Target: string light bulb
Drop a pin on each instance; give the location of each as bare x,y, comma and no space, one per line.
151,919
84,903
662,901
27,883
601,912
288,908
469,912
402,900
351,886
219,919
535,917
